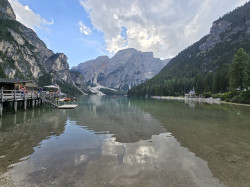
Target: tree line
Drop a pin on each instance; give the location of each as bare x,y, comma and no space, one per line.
228,78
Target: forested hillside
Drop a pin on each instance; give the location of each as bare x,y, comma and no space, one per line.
206,65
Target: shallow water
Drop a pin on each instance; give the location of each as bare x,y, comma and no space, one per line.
126,142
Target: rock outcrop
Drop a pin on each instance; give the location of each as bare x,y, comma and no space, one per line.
6,10
214,38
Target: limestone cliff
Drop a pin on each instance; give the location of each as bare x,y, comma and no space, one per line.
24,55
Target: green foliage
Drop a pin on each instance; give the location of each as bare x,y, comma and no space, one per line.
246,97
238,15
5,25
69,89
240,73
45,80
237,99
207,94
2,73
227,96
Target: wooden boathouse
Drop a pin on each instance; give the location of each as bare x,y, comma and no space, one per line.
25,91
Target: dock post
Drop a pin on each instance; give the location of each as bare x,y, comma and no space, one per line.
15,103
33,103
32,100
2,94
1,109
24,102
25,105
15,107
1,103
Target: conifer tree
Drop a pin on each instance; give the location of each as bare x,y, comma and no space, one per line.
239,75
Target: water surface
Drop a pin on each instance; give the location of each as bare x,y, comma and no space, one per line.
126,142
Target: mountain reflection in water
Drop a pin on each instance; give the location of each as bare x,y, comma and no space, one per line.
107,142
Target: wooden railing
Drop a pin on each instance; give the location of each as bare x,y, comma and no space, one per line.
17,95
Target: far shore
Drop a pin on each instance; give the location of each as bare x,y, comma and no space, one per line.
204,100
168,97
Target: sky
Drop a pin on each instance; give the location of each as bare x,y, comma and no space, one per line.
86,29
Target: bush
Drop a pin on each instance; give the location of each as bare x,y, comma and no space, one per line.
246,97
226,96
237,99
207,94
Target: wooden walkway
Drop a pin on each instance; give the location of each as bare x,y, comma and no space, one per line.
31,97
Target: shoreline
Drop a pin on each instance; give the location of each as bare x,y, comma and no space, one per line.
200,100
240,104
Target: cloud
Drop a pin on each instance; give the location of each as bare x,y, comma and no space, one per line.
84,29
163,26
27,17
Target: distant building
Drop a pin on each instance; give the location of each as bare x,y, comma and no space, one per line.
191,94
17,84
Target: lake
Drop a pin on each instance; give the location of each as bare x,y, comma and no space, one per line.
118,141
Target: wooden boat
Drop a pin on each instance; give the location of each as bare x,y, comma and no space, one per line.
67,99
67,107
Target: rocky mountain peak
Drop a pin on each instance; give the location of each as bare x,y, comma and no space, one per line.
123,55
102,58
127,68
6,10
127,51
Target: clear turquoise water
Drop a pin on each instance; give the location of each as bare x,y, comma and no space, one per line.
126,142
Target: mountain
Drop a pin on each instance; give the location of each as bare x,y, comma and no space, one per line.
6,10
127,68
24,55
205,64
92,68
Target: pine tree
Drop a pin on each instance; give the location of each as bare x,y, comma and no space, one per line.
239,75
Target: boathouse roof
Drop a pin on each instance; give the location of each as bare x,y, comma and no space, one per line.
52,86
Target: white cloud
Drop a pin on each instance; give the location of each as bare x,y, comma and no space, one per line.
84,29
27,17
163,26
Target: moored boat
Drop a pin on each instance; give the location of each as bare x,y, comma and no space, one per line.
67,99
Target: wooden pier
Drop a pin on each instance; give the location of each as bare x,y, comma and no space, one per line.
31,98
